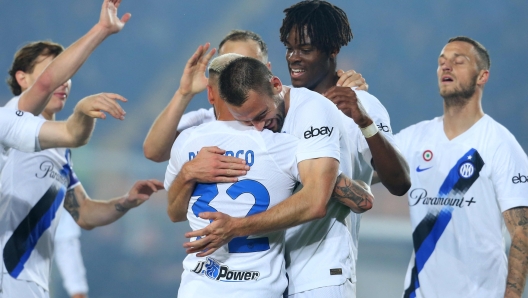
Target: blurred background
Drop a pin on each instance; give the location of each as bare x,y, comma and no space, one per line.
396,45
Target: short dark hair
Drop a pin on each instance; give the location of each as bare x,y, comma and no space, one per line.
242,75
244,35
26,59
484,61
326,24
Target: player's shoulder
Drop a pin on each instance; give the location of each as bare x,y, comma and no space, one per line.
310,103
495,132
13,103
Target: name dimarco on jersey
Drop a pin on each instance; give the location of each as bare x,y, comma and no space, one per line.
247,155
418,195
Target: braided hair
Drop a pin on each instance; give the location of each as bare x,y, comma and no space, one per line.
326,24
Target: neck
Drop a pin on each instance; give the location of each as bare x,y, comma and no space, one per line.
327,82
48,116
458,119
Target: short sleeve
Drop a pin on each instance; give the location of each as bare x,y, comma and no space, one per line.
317,125
19,130
175,162
510,175
196,118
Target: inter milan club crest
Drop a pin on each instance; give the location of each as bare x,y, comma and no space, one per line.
427,155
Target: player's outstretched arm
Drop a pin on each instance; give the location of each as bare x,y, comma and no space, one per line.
76,131
318,177
517,222
161,136
62,68
355,194
209,166
89,213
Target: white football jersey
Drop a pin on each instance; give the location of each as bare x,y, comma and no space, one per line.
250,266
321,252
460,188
195,118
18,130
33,189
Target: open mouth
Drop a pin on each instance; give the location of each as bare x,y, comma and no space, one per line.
447,79
61,95
296,72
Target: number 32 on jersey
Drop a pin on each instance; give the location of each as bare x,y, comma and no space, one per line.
207,192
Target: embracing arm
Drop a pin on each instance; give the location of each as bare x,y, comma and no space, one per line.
89,213
318,177
164,130
62,68
209,166
355,194
517,222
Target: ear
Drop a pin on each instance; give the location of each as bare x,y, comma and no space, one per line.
268,65
483,77
276,85
210,94
333,53
21,78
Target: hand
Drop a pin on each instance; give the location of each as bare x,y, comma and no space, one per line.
218,233
193,80
140,192
109,20
346,100
351,79
79,295
211,166
95,105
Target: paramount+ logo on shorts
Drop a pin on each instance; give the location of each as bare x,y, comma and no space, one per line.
315,132
519,179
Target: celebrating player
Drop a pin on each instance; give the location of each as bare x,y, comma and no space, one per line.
467,181
29,134
170,122
34,185
247,266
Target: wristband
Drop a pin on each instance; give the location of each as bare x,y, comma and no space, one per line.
370,130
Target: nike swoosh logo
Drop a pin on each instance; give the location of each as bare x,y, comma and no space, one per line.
421,170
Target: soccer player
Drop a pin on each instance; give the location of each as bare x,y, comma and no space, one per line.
28,134
247,266
468,180
34,186
170,122
312,46
260,99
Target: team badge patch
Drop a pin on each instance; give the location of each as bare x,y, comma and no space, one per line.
427,155
466,170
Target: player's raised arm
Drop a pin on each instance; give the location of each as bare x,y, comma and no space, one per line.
67,63
391,166
89,213
319,183
161,136
76,131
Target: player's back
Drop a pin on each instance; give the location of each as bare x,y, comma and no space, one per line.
247,266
